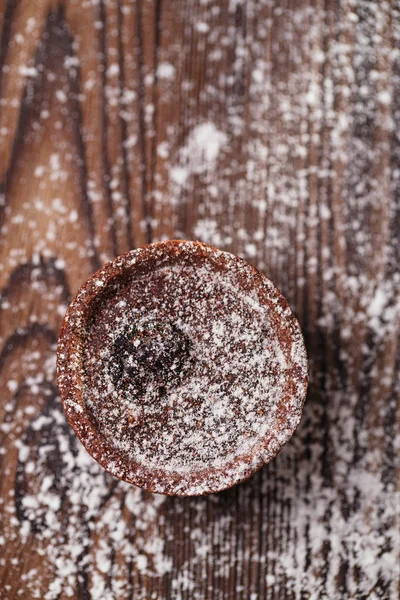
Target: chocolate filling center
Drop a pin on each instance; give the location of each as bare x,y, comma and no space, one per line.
149,351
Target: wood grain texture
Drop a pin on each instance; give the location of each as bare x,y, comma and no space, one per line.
272,130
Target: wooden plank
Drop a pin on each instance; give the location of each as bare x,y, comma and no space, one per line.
270,129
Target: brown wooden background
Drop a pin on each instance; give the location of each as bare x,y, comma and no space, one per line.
104,107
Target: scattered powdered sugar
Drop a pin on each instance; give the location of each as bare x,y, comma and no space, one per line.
166,71
306,186
200,153
205,142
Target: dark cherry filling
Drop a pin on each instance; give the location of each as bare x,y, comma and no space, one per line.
148,351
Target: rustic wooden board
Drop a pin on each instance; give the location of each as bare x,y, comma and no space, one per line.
268,128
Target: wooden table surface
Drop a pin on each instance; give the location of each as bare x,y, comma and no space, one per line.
268,128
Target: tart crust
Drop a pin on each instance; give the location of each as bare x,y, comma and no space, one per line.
162,409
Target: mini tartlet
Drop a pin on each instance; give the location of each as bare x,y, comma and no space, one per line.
181,368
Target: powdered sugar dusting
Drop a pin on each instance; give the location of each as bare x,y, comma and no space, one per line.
200,153
305,186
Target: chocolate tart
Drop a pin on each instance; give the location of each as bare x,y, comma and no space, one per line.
181,368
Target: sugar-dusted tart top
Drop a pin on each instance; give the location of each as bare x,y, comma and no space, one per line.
181,368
